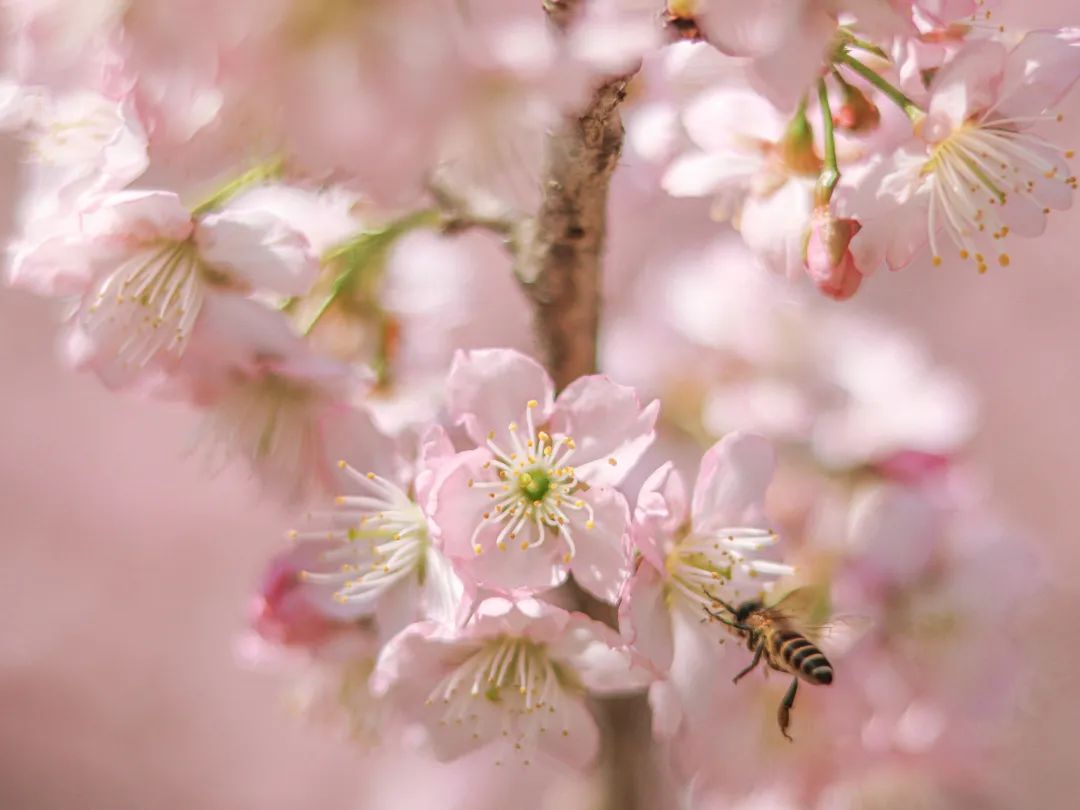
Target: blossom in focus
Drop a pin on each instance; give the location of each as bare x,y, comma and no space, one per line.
515,677
536,498
975,171
692,552
377,556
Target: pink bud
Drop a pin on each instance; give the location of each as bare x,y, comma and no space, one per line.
828,260
857,113
283,611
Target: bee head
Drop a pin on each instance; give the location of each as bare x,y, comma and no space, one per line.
743,611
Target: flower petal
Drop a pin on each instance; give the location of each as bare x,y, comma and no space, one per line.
1039,71
611,429
575,740
132,219
662,509
731,483
599,657
601,561
489,388
644,618
258,249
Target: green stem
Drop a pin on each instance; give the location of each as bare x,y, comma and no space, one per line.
864,45
893,93
261,173
830,175
359,252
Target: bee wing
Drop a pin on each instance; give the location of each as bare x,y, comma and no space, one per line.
803,605
839,634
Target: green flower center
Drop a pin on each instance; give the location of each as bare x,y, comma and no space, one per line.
534,484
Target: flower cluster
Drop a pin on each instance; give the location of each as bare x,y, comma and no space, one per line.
309,221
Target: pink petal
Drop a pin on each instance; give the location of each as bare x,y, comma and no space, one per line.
784,75
727,118
610,427
966,85
731,483
134,218
258,249
489,388
698,174
644,618
598,656
1039,71
662,509
576,741
601,564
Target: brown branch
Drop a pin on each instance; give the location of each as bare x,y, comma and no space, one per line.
559,257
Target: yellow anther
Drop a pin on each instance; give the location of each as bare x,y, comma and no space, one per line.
371,476
501,545
342,465
524,544
340,499
567,557
936,261
965,255
590,524
1004,260
512,426
491,434
532,403
544,437
612,462
478,549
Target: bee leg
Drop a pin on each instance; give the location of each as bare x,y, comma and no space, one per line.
757,658
783,714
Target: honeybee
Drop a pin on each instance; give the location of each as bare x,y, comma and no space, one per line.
779,634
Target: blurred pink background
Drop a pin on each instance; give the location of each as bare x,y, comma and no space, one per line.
124,571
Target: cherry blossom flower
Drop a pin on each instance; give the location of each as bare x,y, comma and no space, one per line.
535,498
975,170
516,676
377,557
149,265
761,169
692,552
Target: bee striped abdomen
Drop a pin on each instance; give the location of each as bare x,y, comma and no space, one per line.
803,658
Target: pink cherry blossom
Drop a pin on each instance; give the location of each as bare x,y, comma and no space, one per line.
515,679
268,399
377,557
693,551
975,171
148,266
761,169
535,499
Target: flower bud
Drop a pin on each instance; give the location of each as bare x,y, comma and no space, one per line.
283,612
828,260
857,113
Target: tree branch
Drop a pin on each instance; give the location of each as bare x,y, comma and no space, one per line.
559,257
